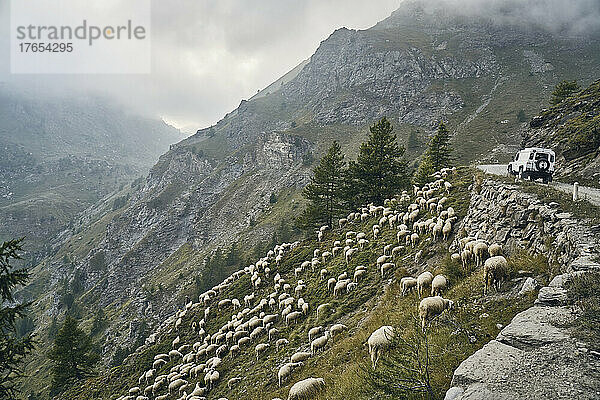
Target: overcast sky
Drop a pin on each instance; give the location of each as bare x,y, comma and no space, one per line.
207,55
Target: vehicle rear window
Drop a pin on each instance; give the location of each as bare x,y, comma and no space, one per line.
541,156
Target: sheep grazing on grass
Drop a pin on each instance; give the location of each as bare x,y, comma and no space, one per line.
319,343
465,256
336,329
211,378
408,283
480,250
383,259
446,230
455,257
431,307
323,274
313,332
438,285
280,343
359,274
385,267
176,385
340,287
322,308
292,317
261,348
306,389
378,341
286,370
424,282
300,356
495,250
414,240
232,382
495,271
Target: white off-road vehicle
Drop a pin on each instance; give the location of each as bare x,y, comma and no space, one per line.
533,163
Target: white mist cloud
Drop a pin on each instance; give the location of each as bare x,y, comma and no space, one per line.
207,55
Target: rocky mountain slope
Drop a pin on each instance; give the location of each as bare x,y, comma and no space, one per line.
61,156
572,129
215,188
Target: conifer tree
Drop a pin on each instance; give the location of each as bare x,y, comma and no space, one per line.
563,90
379,171
437,155
325,191
72,354
13,348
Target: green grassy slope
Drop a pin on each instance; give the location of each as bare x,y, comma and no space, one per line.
344,364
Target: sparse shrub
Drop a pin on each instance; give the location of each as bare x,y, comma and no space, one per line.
453,269
404,371
584,293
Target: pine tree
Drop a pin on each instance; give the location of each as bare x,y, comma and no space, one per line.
325,191
563,90
72,354
379,171
13,348
437,155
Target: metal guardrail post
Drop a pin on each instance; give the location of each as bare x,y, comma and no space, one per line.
576,191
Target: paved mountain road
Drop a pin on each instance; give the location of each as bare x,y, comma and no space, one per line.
586,193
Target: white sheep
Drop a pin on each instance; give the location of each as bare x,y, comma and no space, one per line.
385,267
176,384
211,378
291,317
359,273
408,283
495,250
261,348
438,285
336,329
378,341
322,308
286,370
340,286
424,282
480,250
280,343
319,342
300,356
431,307
312,332
306,389
495,270
414,239
231,382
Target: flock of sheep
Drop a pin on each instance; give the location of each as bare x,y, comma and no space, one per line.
259,322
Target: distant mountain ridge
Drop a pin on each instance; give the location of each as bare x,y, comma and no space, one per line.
61,155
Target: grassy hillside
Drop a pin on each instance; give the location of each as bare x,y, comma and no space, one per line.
345,364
